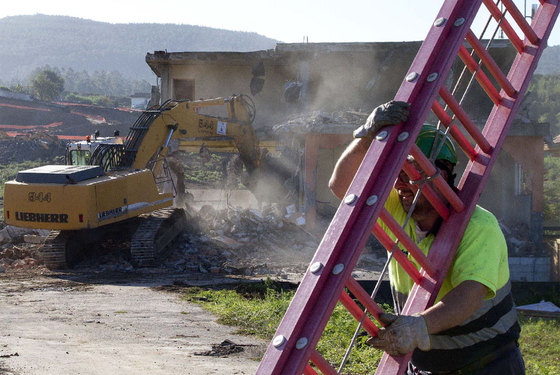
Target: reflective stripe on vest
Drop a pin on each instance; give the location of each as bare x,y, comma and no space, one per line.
495,317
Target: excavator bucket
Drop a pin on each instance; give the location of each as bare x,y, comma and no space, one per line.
292,350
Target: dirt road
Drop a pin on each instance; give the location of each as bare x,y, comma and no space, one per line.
55,323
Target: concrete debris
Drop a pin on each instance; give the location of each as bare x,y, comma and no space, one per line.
518,240
10,234
224,349
543,309
341,122
17,258
257,242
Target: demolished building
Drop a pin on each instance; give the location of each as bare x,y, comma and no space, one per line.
310,96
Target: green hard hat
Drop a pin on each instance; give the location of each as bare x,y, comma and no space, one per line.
425,142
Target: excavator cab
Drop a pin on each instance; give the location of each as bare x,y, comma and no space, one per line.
81,152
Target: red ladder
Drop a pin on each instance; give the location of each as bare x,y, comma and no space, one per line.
293,346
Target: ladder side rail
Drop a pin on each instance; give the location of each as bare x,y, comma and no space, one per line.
476,174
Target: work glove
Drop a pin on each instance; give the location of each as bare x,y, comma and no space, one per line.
390,113
402,334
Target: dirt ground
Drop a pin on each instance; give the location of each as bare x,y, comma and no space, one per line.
114,323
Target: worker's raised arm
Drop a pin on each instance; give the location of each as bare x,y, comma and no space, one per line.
390,113
347,165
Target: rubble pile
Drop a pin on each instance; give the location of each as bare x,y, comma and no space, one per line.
19,257
19,248
231,241
258,242
268,242
322,122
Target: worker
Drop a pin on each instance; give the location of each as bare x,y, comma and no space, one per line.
472,328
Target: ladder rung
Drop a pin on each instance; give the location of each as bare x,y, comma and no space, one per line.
388,243
493,68
360,293
358,314
481,77
440,183
465,120
427,190
322,364
504,24
455,132
407,242
521,21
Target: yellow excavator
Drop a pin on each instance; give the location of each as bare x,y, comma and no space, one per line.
123,183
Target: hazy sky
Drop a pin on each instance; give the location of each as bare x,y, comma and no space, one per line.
288,20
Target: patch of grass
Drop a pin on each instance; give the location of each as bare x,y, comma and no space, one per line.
253,313
257,309
540,345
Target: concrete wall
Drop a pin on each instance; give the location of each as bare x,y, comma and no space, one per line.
530,268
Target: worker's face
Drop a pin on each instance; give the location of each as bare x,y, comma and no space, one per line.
406,192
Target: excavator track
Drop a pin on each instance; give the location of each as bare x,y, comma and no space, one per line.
54,250
152,237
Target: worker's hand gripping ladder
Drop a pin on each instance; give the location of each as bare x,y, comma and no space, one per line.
293,348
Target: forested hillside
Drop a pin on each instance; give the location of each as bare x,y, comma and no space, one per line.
29,42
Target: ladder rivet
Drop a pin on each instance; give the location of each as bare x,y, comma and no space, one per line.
432,77
350,198
278,341
459,22
338,269
412,77
440,22
402,136
316,267
382,135
371,200
301,343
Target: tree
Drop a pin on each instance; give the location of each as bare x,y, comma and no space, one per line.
48,85
551,189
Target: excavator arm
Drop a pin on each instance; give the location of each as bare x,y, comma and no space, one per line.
149,138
